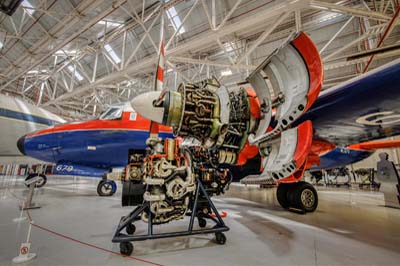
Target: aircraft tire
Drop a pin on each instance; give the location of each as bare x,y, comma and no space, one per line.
106,188
303,196
40,184
282,195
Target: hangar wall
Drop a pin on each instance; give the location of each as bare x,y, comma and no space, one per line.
394,155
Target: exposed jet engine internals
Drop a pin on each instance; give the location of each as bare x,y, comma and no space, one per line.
208,112
226,122
170,174
170,180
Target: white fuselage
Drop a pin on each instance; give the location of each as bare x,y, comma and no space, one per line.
18,118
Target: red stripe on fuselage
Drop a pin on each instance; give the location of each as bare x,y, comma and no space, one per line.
140,124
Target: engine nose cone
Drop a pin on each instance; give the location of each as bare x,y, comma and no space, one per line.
143,104
21,144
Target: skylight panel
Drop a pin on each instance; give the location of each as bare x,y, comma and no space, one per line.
329,16
37,71
226,72
175,20
2,39
66,52
75,72
112,53
109,23
28,7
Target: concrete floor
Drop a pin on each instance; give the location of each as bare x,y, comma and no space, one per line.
349,228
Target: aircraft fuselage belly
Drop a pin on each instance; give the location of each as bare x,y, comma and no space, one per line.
97,148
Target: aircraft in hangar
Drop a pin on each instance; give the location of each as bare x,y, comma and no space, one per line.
86,148
293,131
93,148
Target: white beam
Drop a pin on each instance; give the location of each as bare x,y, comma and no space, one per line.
349,10
263,36
335,35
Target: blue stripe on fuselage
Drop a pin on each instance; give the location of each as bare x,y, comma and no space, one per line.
96,148
26,117
341,157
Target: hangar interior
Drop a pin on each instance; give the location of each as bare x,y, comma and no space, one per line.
80,59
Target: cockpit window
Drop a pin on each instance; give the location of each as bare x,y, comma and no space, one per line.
112,113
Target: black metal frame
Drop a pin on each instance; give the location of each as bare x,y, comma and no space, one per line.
135,215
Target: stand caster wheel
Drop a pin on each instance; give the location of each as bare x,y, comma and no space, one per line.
220,238
202,222
130,229
126,248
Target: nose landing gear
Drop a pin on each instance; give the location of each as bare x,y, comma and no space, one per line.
300,195
106,188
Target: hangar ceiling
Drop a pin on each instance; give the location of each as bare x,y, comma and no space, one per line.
76,58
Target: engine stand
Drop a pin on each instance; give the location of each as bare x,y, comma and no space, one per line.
126,222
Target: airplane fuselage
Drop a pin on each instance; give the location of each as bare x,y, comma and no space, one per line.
91,147
104,144
18,118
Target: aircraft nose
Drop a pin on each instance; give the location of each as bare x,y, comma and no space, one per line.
143,105
21,144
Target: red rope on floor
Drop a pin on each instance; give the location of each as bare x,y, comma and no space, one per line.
29,216
85,243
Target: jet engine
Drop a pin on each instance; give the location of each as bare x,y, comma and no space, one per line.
225,121
221,128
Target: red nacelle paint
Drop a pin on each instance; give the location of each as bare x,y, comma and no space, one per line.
311,57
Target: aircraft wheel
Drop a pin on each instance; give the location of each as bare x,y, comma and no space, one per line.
126,248
130,228
282,195
220,238
106,188
42,182
303,196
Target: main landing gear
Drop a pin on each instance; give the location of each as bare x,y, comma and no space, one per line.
41,183
300,195
106,188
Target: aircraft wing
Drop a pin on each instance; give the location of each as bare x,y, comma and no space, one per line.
362,109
